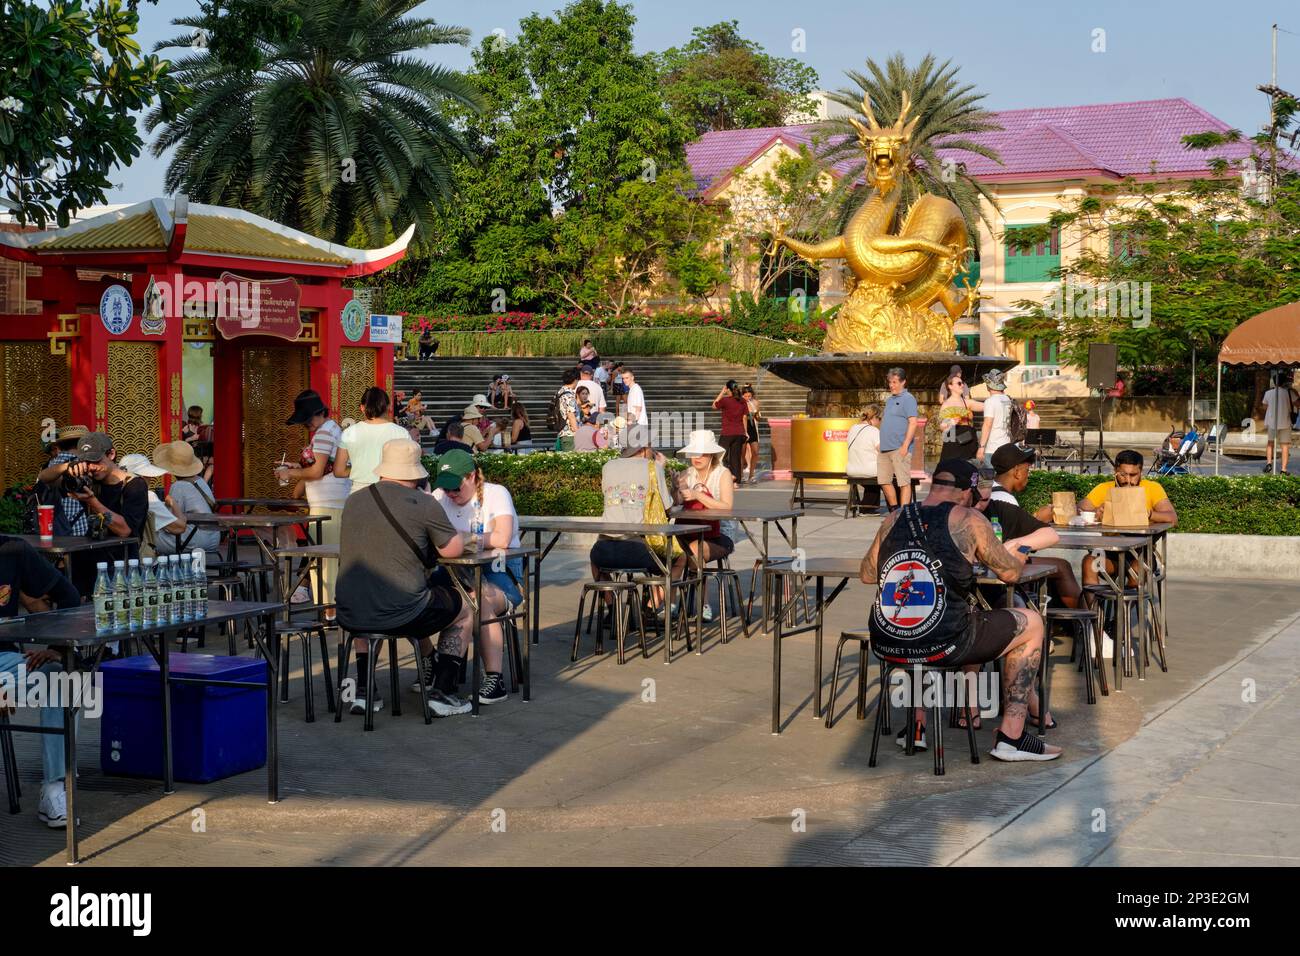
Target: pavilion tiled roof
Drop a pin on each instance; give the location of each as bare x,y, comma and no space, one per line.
1110,140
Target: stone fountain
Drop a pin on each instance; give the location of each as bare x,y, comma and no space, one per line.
900,307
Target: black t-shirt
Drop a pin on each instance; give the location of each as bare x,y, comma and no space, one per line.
1016,521
21,569
447,444
130,499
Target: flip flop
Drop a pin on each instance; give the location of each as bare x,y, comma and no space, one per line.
975,722
1033,719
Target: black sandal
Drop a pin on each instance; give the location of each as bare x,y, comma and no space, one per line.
975,721
1033,719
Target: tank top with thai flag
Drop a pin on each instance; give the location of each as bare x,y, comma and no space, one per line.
922,611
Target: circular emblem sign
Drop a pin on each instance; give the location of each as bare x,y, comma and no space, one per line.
354,321
115,309
911,600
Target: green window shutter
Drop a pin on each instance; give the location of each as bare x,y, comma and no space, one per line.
1041,352
1036,263
968,343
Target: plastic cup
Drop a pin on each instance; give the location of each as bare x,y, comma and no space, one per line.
45,518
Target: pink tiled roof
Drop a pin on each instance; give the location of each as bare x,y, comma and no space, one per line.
1110,139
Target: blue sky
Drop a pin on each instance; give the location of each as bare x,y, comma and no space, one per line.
1020,53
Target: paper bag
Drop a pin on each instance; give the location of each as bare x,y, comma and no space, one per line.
1126,508
1063,507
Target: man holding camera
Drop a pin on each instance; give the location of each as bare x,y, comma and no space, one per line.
70,519
116,502
734,433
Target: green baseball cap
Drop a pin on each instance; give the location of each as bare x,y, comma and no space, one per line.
452,468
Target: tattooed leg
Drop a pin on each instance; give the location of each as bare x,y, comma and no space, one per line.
454,638
1020,670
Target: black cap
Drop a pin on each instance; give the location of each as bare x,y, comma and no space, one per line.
94,447
1008,456
307,405
965,476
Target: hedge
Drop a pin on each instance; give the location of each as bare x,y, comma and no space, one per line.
705,341
551,483
1206,504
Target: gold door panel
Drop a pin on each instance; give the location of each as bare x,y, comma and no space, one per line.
272,377
34,385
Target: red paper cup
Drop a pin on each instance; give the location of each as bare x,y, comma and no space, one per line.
45,516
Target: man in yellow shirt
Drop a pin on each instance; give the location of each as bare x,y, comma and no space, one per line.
1128,474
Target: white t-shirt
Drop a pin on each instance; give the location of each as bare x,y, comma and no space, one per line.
595,394
364,442
997,407
636,399
496,502
327,491
864,450
601,375
1277,405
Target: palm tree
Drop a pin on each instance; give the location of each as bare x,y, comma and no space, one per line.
948,114
336,126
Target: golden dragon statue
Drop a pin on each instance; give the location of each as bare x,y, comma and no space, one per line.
899,275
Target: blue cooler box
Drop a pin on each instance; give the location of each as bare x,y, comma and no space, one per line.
216,731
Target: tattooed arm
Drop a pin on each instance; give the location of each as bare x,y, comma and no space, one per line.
973,535
871,560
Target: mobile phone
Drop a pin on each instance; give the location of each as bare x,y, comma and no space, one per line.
1025,549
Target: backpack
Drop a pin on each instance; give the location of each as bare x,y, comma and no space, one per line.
915,618
555,419
1017,421
43,494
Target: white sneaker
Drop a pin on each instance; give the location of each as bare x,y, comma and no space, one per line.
359,706
448,705
53,809
1107,646
707,613
301,596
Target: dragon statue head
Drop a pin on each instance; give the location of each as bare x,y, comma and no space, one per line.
887,147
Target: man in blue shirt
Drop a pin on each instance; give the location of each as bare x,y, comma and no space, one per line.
897,429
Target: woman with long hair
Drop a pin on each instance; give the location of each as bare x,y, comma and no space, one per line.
957,417
519,426
706,485
362,443
751,435
484,514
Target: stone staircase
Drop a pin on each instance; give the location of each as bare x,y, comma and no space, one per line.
679,384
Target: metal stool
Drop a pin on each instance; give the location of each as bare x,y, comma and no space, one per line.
727,578
345,651
10,761
864,645
1085,629
627,597
229,588
1107,605
304,631
935,722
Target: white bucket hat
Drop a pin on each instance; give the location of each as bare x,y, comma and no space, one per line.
702,443
140,465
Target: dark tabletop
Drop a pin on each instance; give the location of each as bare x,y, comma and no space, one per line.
75,627
743,514
597,526
1092,541
487,557
309,551
298,504
1147,531
251,521
821,567
71,543
1028,574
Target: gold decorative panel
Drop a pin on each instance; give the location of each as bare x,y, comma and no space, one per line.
356,374
134,405
273,377
34,385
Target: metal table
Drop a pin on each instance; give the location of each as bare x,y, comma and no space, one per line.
473,564
246,505
73,629
766,517
558,526
59,548
232,524
1125,548
820,569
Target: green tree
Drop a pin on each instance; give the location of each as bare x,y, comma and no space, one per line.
581,180
1206,257
721,80
950,113
72,75
334,123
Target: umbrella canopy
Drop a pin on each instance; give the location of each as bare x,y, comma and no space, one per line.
1270,338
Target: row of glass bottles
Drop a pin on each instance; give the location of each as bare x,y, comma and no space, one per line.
171,589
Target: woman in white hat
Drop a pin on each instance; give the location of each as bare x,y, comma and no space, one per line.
705,486
190,495
166,520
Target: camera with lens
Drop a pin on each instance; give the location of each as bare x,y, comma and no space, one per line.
75,484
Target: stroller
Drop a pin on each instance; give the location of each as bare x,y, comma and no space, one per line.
1178,453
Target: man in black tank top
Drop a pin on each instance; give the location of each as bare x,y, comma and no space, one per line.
921,560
